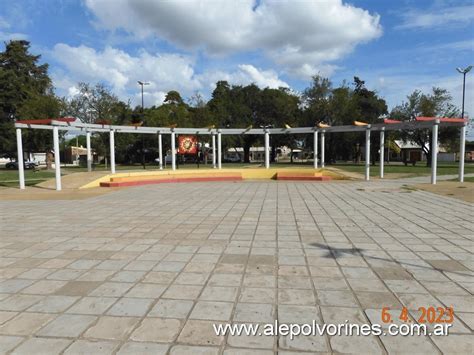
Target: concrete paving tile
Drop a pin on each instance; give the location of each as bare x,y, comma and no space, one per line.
92,305
77,288
19,302
211,310
254,312
53,304
163,330
131,307
133,348
112,328
171,308
193,350
7,343
199,332
67,325
215,293
87,347
25,323
337,298
296,297
42,346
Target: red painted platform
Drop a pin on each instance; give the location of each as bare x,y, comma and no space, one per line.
304,178
170,179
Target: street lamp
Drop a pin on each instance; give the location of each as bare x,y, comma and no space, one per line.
143,83
463,72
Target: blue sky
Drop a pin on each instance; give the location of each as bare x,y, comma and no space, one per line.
395,46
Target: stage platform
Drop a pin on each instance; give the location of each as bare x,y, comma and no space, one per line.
134,178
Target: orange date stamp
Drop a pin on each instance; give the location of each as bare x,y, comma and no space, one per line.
427,315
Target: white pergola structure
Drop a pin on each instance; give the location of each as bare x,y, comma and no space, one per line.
71,124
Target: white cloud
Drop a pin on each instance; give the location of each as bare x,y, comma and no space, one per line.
438,17
301,36
395,88
165,72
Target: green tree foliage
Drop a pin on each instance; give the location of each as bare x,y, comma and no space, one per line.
27,93
437,103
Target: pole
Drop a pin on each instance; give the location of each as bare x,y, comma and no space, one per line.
382,151
315,149
173,150
112,152
213,150
89,153
57,161
463,92
322,150
462,153
219,150
267,149
367,153
160,150
19,160
142,97
434,152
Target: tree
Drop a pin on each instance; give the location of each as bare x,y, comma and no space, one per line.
94,103
435,104
173,97
27,93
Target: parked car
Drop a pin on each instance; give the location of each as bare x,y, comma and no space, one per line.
167,160
232,159
26,164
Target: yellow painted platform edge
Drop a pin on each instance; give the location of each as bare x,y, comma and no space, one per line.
247,174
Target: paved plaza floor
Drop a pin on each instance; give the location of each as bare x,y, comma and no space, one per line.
151,269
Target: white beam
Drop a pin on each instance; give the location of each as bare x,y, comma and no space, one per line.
315,149
112,152
322,150
434,152
173,150
213,150
367,153
219,150
462,153
57,160
267,150
382,151
19,160
160,150
89,152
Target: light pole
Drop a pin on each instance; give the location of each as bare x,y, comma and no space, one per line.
462,142
463,72
143,83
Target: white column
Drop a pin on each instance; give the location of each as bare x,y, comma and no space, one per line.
213,150
89,152
160,150
112,152
173,150
462,153
315,149
267,150
322,149
219,150
367,153
382,150
57,161
434,152
19,160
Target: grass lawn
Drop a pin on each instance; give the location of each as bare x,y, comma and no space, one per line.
417,170
9,178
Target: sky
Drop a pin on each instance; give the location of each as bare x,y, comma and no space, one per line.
396,47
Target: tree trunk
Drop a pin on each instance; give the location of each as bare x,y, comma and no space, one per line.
246,153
